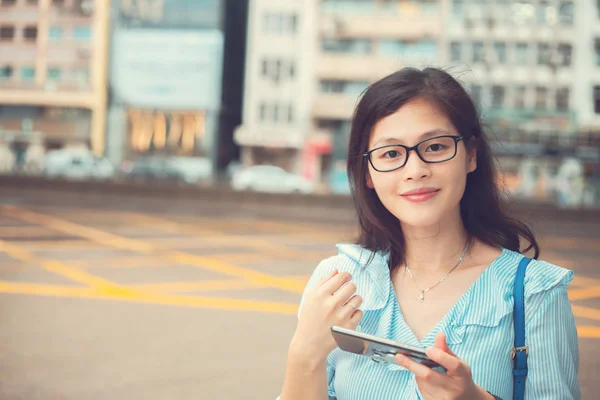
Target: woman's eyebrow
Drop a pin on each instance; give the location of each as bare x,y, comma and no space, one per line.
424,135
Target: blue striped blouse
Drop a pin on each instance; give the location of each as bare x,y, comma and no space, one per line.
479,329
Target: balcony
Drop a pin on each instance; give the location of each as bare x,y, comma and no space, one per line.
353,67
269,135
380,26
334,106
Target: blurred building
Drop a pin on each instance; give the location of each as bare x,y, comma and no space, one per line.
308,61
53,73
166,77
531,63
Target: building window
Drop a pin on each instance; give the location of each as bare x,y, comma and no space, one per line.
290,115
541,97
478,52
276,113
565,13
6,72
543,54
353,46
262,115
58,2
293,23
277,73
565,51
562,99
500,51
6,3
522,54
55,32
458,10
82,32
280,23
30,33
54,74
81,75
542,13
7,32
352,88
597,99
455,51
27,73
519,96
264,70
476,94
597,50
498,96
292,71
408,49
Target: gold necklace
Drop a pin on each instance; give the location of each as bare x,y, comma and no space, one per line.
422,291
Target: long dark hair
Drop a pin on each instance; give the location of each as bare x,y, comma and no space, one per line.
481,208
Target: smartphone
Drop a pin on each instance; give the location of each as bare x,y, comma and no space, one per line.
378,349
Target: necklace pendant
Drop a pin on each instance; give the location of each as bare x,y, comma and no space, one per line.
421,296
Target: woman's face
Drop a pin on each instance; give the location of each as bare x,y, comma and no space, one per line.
439,187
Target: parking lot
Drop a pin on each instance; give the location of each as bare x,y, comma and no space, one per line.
137,301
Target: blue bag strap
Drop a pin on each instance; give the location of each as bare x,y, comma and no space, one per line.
520,351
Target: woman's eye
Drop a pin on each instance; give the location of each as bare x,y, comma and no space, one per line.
435,147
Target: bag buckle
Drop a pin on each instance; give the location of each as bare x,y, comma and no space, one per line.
513,353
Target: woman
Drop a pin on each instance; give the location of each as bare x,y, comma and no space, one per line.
434,265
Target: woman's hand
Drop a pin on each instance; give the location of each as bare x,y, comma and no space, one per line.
331,302
456,384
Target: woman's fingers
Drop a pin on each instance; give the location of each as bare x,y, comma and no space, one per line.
342,296
351,306
420,371
327,277
440,343
334,283
446,360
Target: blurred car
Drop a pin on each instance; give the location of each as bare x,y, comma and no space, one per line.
271,179
338,182
190,170
76,164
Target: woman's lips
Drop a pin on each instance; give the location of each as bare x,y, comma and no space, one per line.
420,195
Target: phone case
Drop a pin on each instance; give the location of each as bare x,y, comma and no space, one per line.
378,349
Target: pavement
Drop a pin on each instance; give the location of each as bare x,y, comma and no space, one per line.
109,297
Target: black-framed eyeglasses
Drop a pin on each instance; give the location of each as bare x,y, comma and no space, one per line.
433,150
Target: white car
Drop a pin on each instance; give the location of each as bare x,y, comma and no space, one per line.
271,179
77,164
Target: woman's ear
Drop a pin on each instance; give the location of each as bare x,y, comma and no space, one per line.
472,161
370,181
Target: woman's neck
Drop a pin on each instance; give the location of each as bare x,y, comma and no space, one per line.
435,248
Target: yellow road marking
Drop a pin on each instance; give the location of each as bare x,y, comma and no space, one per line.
76,244
149,298
586,312
73,274
586,293
216,236
146,248
197,286
584,281
46,290
206,285
588,331
25,232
